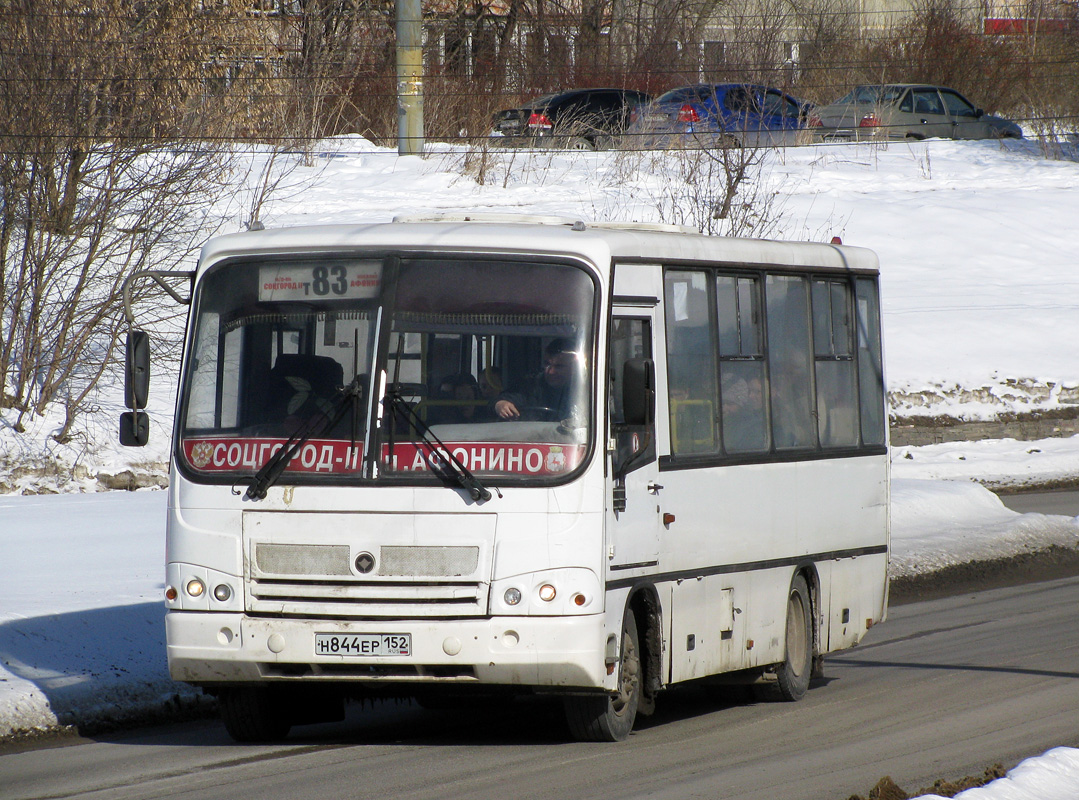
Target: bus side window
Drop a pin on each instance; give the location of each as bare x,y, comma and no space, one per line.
691,363
789,362
741,364
833,345
870,367
631,339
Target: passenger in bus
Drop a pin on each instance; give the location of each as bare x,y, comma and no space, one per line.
743,416
551,394
837,413
735,396
793,423
490,383
464,401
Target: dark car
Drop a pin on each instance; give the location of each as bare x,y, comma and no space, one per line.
579,119
907,111
721,113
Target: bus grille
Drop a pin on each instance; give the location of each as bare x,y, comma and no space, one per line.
319,581
365,599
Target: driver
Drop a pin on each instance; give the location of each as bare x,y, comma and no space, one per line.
552,391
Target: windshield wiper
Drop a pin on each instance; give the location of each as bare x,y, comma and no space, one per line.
443,462
346,399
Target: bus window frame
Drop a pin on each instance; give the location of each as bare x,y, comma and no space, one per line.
674,461
374,477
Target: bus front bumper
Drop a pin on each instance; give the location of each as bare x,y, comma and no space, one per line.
208,648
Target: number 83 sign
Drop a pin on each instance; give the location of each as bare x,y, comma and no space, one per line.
337,280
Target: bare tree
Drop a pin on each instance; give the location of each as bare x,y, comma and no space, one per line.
111,148
336,45
659,39
829,38
1048,42
938,43
714,185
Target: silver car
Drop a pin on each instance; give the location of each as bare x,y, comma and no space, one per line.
907,111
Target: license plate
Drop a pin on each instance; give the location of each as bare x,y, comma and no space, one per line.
363,644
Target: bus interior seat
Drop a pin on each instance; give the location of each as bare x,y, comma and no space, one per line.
693,426
297,379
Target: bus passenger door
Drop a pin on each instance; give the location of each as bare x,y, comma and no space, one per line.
634,517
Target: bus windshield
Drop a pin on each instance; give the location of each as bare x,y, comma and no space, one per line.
483,363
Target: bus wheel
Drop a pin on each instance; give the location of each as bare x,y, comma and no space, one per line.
792,676
253,714
610,718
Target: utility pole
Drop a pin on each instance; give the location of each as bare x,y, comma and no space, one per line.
409,77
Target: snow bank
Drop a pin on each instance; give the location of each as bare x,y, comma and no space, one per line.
938,524
1052,776
997,463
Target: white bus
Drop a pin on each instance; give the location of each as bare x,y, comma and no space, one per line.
431,458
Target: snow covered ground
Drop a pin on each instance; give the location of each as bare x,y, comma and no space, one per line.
977,242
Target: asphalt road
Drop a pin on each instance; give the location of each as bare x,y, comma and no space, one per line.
1064,502
944,688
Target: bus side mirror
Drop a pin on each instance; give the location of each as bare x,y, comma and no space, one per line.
639,391
135,424
137,370
134,428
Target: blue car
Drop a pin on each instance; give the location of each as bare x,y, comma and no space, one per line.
717,114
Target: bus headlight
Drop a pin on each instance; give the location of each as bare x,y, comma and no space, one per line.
195,587
549,592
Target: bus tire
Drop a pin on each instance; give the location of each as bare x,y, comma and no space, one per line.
610,718
792,676
252,714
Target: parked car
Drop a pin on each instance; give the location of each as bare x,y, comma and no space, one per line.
908,111
716,113
578,119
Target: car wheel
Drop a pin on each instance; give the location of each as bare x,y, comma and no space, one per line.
579,143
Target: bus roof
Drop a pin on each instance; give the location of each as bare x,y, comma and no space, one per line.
599,243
